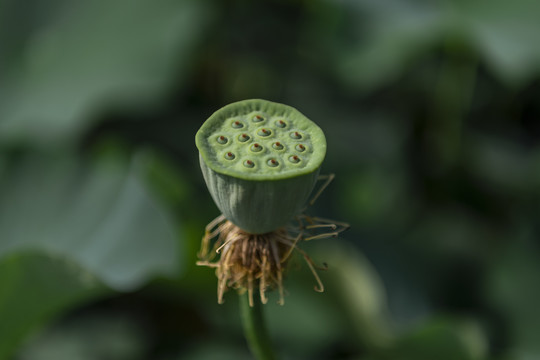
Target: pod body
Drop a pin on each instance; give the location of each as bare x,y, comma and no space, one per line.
260,161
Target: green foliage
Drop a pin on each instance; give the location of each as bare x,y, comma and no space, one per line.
399,33
89,227
100,216
33,288
430,110
128,49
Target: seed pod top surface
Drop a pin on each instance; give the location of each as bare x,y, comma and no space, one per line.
261,140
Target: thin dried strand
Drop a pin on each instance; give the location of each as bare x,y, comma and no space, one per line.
244,252
228,242
204,253
262,282
344,225
223,276
212,224
320,286
329,178
215,227
320,223
222,283
321,236
318,226
250,289
216,232
278,272
275,254
280,288
207,263
291,248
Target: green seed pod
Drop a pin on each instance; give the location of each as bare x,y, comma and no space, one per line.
262,175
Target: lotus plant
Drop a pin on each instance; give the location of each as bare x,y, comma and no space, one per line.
260,161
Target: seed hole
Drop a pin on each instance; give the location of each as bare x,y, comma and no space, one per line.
263,132
300,147
256,147
272,162
229,156
277,145
296,135
294,159
257,118
249,164
281,123
237,124
243,137
222,139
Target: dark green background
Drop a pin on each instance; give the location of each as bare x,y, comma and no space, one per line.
431,111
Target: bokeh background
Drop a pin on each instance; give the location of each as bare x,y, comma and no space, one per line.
431,111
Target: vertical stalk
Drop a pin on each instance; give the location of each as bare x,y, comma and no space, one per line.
255,330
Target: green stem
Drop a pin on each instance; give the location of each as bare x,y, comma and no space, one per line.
255,329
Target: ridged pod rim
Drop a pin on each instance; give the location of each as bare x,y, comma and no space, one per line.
275,110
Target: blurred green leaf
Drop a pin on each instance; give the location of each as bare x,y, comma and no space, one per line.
34,287
505,32
102,335
441,339
81,56
316,323
376,196
504,167
513,289
391,36
100,216
395,33
217,351
361,292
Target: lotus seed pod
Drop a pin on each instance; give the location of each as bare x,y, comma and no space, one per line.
260,161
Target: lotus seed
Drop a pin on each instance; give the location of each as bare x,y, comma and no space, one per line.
264,132
243,137
277,145
281,123
222,139
272,163
249,164
294,159
229,156
256,147
257,118
296,135
300,147
237,125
